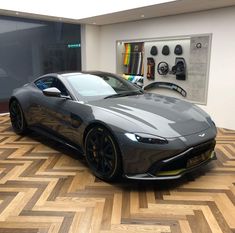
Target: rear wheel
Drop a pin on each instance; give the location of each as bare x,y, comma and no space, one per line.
17,117
102,153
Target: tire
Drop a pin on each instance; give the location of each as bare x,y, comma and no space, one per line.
18,121
102,154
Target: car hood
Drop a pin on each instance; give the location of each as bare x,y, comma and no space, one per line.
156,114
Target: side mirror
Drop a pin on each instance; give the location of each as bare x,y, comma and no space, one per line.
52,91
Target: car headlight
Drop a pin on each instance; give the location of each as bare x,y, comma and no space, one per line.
211,121
146,138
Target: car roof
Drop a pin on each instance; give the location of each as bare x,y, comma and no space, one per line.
64,74
79,72
94,72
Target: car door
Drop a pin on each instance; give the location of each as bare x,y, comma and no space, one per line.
37,117
56,113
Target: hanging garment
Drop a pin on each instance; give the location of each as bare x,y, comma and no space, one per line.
127,54
139,66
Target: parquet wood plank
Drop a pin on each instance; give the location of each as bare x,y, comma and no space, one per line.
184,226
44,189
117,209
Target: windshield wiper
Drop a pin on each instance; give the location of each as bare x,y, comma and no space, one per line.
122,94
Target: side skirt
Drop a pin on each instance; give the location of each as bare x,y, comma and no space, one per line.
57,138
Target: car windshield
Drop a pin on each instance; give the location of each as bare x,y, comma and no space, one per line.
101,85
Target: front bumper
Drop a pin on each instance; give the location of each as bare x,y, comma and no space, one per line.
172,174
145,160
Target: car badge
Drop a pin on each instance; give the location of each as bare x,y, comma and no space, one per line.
202,135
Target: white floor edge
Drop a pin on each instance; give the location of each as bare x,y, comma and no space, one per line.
3,114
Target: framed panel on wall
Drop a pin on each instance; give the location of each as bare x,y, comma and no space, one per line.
175,66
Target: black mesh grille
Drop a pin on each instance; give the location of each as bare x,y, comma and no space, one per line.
181,162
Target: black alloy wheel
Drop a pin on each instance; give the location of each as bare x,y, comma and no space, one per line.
17,117
102,154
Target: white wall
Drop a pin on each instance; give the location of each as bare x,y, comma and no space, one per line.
221,93
90,40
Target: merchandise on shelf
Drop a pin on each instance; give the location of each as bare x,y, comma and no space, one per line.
127,54
150,68
179,69
154,50
166,50
178,50
163,68
133,58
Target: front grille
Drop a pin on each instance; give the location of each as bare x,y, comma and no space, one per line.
181,162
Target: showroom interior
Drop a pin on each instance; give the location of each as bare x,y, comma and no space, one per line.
176,48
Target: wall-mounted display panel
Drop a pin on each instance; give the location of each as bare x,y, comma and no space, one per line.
177,67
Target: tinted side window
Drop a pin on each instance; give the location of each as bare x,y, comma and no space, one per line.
44,83
51,82
58,84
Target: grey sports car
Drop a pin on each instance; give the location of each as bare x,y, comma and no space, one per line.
120,129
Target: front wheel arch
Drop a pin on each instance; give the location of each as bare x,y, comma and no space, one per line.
12,99
98,123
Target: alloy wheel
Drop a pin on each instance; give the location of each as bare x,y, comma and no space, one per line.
102,153
17,117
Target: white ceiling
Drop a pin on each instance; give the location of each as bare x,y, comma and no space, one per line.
165,9
102,12
75,9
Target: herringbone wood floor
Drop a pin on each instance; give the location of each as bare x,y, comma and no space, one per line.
43,188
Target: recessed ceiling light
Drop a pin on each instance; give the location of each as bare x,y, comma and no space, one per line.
142,16
94,23
17,13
